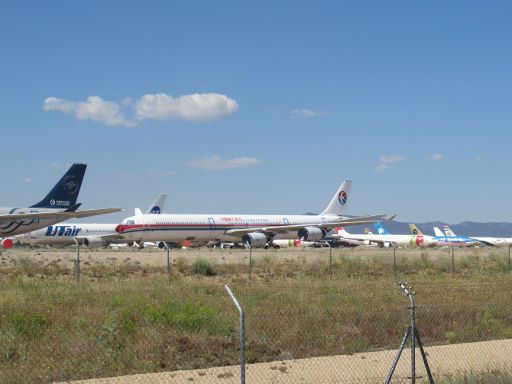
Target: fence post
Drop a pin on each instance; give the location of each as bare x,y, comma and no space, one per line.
77,260
330,257
394,260
509,265
250,262
242,333
168,258
453,259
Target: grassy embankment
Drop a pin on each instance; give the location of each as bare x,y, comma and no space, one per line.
129,318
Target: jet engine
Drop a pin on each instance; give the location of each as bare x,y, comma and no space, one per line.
93,242
255,239
311,234
7,243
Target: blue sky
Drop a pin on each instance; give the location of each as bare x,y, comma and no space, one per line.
261,107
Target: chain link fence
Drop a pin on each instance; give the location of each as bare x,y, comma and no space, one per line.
304,328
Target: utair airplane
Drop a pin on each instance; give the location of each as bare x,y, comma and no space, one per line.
251,230
89,235
58,205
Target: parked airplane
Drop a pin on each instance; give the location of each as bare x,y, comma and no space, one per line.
450,239
490,241
251,230
58,205
90,235
385,239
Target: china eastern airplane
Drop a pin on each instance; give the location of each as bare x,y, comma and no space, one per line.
384,239
89,235
251,230
58,205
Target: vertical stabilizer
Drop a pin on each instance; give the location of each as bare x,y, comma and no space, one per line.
448,231
158,205
415,230
65,193
338,204
381,230
438,232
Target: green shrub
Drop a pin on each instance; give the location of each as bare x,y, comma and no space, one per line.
203,267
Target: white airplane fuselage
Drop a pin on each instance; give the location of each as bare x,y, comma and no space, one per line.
399,240
201,229
64,234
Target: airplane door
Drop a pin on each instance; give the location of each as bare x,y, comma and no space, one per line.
285,221
212,224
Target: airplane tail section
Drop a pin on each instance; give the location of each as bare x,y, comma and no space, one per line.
448,231
338,204
65,193
415,230
438,232
381,230
158,205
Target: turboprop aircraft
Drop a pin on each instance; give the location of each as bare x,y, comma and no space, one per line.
58,205
89,235
251,230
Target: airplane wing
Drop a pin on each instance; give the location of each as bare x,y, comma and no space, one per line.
64,215
328,225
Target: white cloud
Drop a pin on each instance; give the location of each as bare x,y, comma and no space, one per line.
386,161
93,108
437,157
197,107
217,163
305,113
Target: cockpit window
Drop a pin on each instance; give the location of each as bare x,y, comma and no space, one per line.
129,222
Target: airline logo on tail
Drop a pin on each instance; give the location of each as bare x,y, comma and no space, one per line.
342,197
155,210
70,185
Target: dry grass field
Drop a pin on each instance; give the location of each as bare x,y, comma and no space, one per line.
128,316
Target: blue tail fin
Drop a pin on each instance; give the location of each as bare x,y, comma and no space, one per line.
380,228
65,192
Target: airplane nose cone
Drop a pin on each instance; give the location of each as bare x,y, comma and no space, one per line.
119,228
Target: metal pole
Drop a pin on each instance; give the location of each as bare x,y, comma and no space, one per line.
453,259
242,333
413,338
168,258
330,258
77,260
394,260
250,262
509,265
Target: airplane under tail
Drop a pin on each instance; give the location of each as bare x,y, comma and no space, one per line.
338,204
158,205
415,230
65,193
